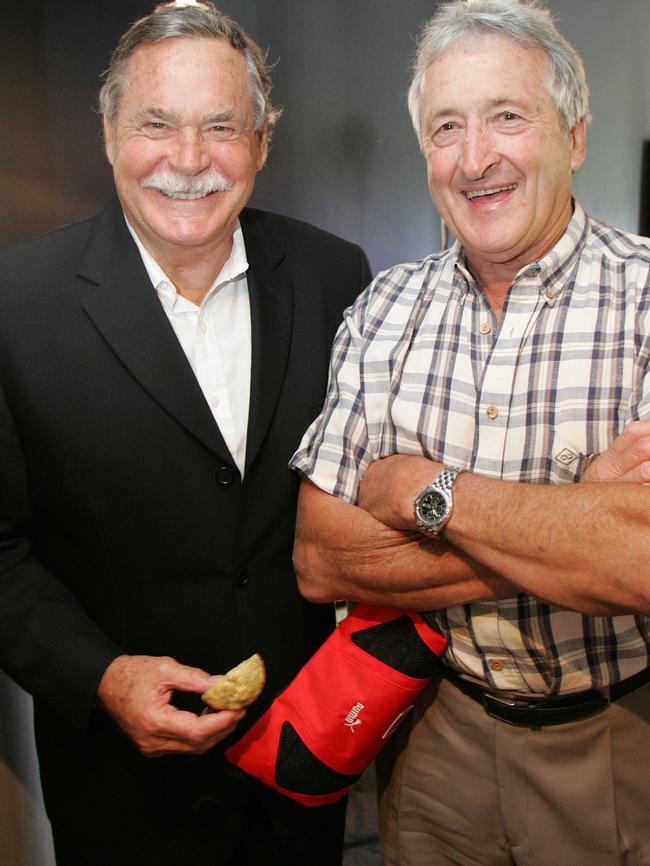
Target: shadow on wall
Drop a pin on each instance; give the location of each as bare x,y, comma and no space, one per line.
24,829
644,209
46,204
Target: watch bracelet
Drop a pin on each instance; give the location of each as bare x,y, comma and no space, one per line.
443,481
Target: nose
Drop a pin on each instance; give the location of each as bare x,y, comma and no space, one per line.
189,154
478,154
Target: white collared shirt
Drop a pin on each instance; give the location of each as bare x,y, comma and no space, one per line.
216,338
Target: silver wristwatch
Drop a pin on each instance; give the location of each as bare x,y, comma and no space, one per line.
434,505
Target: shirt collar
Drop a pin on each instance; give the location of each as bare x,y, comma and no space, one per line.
551,270
235,266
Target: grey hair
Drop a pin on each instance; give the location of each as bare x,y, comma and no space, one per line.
201,20
523,21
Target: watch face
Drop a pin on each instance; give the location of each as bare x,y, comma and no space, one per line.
432,507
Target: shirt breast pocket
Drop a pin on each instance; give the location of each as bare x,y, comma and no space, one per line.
569,455
574,443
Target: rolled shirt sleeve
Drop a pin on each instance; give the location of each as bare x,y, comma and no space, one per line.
334,452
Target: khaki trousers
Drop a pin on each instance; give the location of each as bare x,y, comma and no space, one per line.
459,787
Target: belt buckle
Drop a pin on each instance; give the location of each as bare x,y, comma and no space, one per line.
529,717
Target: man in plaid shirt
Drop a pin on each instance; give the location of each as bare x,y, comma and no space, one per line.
468,392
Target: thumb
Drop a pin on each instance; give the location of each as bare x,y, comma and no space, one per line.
188,679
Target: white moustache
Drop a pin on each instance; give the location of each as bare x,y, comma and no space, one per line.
183,186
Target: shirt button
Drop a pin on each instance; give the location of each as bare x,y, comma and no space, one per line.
225,476
202,328
485,328
214,402
492,412
496,665
242,577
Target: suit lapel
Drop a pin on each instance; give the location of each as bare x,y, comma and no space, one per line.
271,302
125,309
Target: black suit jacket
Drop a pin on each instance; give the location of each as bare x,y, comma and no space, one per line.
124,524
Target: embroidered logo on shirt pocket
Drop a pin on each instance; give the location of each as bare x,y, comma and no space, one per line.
568,452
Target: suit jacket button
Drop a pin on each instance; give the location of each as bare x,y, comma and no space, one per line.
225,476
241,578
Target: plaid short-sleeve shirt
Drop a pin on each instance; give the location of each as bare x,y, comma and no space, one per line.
421,366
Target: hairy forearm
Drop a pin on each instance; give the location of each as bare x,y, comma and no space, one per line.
341,551
584,547
581,546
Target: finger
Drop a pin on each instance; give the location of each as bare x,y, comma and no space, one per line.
633,432
182,677
183,725
220,723
181,731
638,475
633,458
624,464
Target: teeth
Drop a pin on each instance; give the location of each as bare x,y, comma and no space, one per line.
186,196
477,193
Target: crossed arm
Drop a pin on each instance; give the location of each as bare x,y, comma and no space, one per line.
584,546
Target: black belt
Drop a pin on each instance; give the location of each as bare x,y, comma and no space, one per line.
537,713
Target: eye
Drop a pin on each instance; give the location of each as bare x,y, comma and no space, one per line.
222,131
509,122
446,133
156,128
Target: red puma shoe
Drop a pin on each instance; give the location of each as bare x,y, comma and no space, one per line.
323,730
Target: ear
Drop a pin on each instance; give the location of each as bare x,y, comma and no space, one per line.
578,143
109,139
262,148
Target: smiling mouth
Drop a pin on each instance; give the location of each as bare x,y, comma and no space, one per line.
480,193
186,196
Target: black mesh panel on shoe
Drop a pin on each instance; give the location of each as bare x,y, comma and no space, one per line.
398,645
299,770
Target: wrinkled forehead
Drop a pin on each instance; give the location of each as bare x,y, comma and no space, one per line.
183,68
491,47
487,67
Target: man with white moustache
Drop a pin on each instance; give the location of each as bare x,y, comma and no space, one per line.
473,397
158,365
